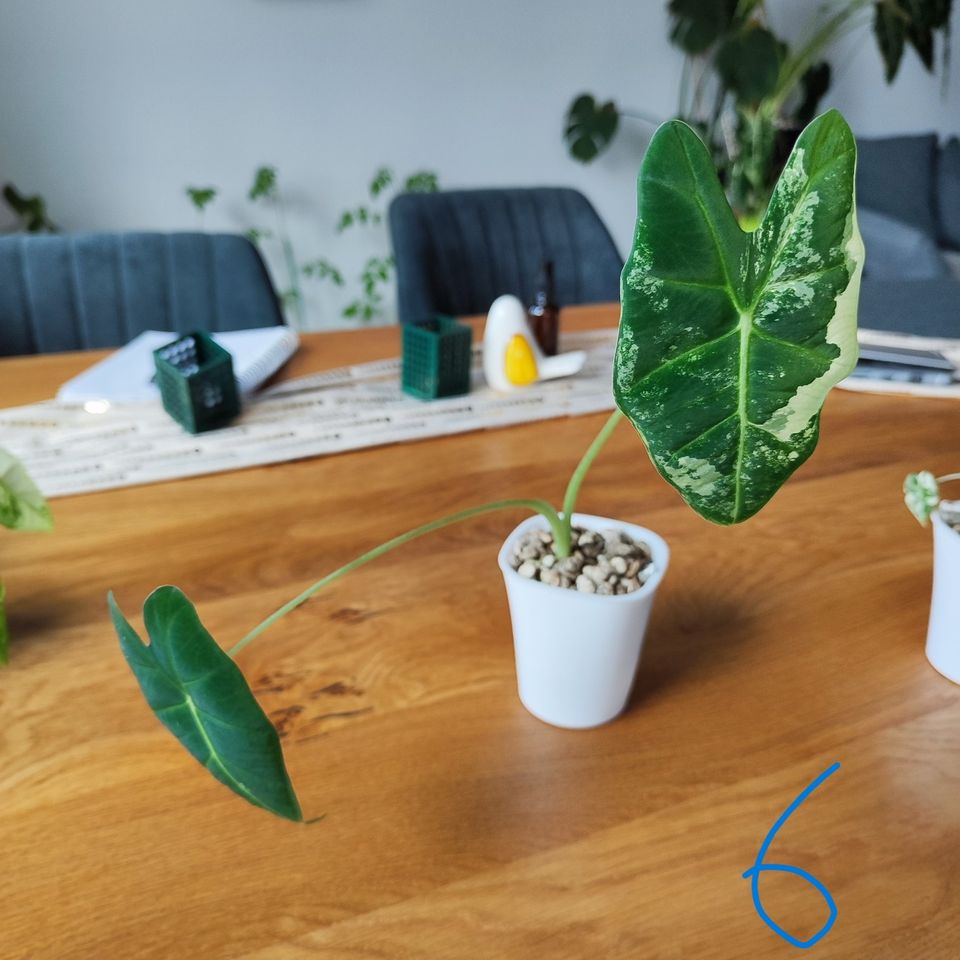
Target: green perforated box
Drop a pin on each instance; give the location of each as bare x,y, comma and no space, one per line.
436,358
195,377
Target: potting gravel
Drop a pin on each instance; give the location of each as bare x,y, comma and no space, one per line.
608,563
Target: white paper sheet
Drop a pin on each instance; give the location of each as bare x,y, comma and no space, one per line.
126,376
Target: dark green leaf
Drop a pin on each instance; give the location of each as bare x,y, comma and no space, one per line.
264,185
729,342
346,220
201,197
256,235
323,270
938,13
813,85
698,24
749,63
890,30
199,694
22,506
920,37
31,211
423,181
897,23
381,180
590,127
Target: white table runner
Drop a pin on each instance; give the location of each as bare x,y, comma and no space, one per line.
69,450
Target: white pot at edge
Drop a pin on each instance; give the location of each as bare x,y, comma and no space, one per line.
943,633
577,653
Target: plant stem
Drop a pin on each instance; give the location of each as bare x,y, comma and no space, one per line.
562,545
290,260
537,506
642,117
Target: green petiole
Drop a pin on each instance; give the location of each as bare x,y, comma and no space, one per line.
561,524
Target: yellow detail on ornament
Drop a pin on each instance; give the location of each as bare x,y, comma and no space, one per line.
520,364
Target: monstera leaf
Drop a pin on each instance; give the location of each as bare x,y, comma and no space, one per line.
22,506
730,341
199,694
590,127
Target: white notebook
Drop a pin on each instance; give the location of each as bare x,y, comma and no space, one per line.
126,376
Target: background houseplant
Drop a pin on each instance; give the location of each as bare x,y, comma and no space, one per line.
729,343
30,211
367,303
22,507
749,93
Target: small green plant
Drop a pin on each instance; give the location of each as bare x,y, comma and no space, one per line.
22,507
921,493
377,271
201,198
31,212
729,343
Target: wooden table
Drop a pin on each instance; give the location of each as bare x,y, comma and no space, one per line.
456,825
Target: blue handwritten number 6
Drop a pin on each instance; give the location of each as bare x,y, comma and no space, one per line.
760,867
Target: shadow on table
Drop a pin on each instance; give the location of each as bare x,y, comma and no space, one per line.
700,634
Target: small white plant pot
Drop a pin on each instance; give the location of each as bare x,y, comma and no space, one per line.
577,653
943,633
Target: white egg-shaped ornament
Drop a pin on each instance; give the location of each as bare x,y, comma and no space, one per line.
512,359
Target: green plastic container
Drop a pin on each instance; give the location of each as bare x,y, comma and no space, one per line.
436,358
195,377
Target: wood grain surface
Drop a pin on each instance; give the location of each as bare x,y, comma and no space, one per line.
455,824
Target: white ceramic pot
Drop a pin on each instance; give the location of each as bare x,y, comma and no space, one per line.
577,653
943,633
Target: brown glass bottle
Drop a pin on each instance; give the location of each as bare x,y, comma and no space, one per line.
544,314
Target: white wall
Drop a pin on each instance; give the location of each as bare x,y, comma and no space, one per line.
110,107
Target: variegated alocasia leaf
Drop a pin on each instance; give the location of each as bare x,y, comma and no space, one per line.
22,506
199,694
730,341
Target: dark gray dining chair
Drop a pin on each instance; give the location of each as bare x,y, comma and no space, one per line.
86,290
456,251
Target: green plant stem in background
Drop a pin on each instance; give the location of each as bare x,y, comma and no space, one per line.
537,506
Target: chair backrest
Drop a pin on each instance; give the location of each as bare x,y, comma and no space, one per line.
88,290
458,250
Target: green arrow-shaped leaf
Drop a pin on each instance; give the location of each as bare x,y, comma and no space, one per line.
200,695
730,341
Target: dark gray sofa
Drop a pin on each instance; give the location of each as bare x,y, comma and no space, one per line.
908,200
